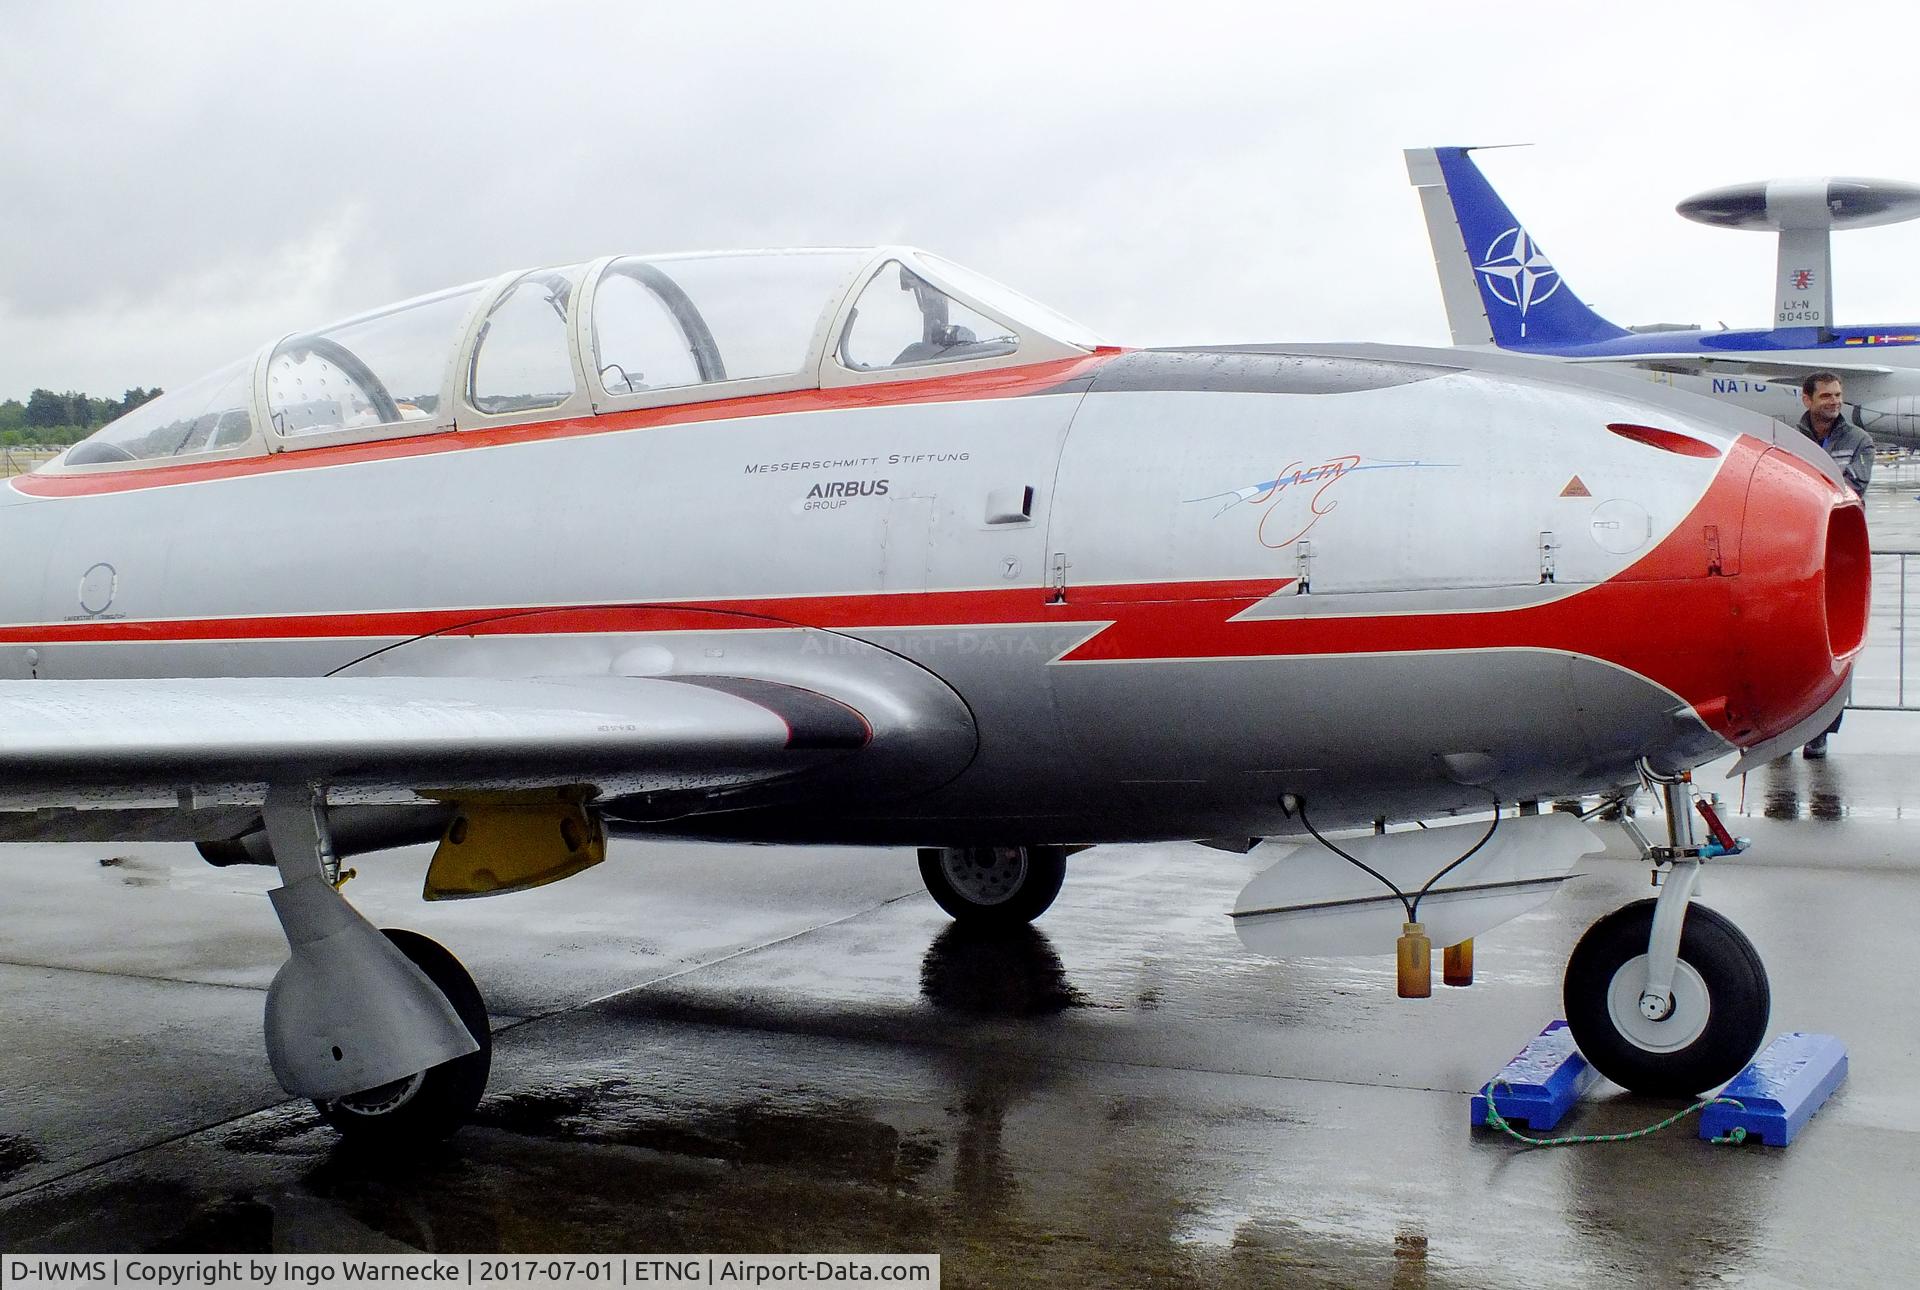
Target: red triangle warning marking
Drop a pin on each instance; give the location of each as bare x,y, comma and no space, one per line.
1575,488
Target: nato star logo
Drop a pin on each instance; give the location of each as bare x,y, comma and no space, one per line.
1518,273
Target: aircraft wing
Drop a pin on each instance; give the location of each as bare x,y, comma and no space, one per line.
391,738
1744,365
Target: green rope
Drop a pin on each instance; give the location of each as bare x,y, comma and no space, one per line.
1498,1121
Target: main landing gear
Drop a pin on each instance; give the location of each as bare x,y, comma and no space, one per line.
1665,997
385,1031
993,886
430,1104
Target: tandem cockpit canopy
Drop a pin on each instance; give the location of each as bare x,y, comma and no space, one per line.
581,340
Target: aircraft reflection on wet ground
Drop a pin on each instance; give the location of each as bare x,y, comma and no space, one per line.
1851,783
1022,1170
1817,794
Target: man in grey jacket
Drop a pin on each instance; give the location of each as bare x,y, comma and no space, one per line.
1825,422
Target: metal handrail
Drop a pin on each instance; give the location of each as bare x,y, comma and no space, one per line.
1899,703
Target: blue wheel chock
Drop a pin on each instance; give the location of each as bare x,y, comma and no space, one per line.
1780,1089
1540,1085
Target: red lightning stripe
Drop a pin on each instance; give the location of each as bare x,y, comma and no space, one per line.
1664,618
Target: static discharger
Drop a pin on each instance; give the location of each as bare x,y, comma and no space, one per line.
1416,962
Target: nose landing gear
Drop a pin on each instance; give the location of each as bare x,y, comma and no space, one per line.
1666,997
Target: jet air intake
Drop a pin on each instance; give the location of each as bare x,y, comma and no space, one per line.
1802,595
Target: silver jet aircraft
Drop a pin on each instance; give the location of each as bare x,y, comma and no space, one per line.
857,546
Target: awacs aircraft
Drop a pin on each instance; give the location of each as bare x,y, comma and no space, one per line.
1500,289
859,547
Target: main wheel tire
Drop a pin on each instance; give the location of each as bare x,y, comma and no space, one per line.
432,1104
993,886
1721,1002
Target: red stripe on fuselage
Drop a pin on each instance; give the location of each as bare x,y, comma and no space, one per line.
997,383
1664,618
988,607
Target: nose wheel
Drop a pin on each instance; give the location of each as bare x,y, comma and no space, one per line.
1694,1035
1666,997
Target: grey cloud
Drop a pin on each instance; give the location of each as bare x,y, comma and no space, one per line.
194,178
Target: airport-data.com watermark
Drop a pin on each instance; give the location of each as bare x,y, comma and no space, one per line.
330,1271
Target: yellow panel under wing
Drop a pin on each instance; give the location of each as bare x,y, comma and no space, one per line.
496,845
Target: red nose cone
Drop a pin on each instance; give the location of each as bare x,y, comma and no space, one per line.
1803,590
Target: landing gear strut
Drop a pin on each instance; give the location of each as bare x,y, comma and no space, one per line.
993,886
1666,997
384,1031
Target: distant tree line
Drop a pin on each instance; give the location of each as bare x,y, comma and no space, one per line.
49,418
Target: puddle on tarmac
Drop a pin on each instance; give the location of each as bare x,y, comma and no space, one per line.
135,872
16,1154
835,1142
294,1129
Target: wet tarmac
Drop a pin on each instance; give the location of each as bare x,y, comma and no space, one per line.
718,1048
759,1049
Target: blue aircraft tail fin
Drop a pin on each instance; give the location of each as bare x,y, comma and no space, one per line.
1498,285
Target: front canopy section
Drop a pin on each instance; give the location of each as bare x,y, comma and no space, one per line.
212,415
582,340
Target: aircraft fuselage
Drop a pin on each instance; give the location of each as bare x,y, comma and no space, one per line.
1138,594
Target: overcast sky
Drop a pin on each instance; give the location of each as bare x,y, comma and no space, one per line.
180,182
